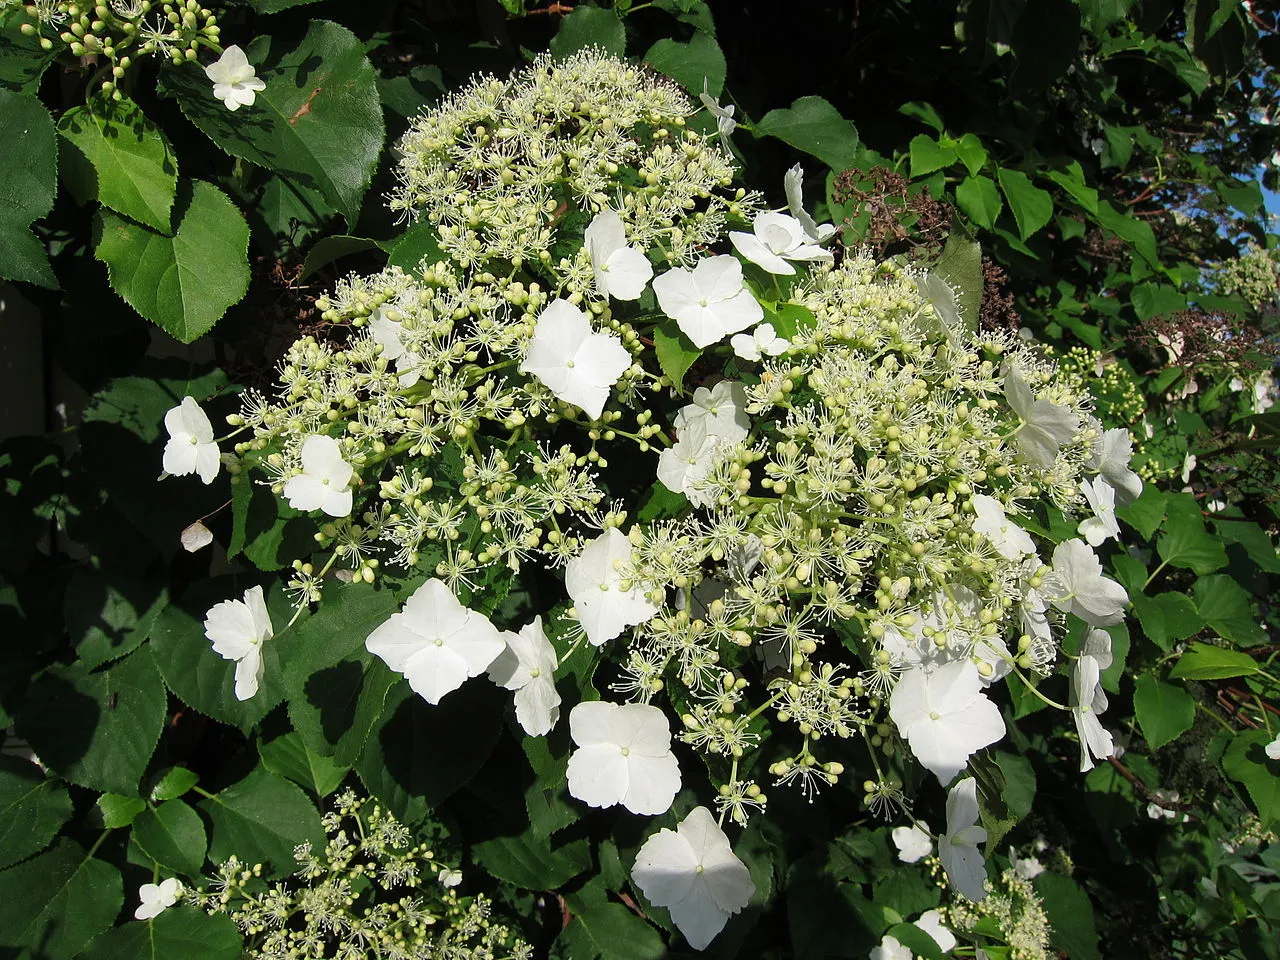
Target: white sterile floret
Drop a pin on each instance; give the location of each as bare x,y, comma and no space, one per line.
1110,456
793,186
389,334
235,82
623,756
449,878
1084,591
1046,426
775,239
958,849
944,716
725,124
436,642
528,666
325,480
1028,868
708,302
942,298
1273,748
238,629
913,843
722,409
1103,524
156,898
694,873
190,448
685,464
575,363
760,342
931,923
1087,699
621,271
195,537
1009,539
594,582
891,948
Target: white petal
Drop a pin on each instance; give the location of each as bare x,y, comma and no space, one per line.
395,641
597,775
628,274
652,784
665,868
249,674
698,917
322,457
538,705
750,247
305,492
208,462
435,671
181,457
604,236
931,923
230,626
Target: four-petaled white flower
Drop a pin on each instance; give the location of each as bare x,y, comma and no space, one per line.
944,716
913,843
722,409
157,898
1101,497
325,480
1085,591
575,363
708,302
436,642
931,923
958,848
1273,748
389,334
624,756
528,666
725,124
621,271
235,82
1046,426
190,448
775,239
694,873
1009,539
238,629
1087,700
1110,456
891,948
594,582
449,878
685,464
793,186
760,342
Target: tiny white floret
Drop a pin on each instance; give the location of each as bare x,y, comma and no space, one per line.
528,666
594,582
775,239
958,848
760,342
891,948
913,843
944,716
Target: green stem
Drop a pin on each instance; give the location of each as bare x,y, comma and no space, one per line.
1032,687
1154,573
1209,713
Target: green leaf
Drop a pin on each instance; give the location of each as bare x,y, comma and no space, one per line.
186,932
530,861
689,64
1070,916
58,902
1072,181
1156,299
611,931
120,157
1166,617
1204,662
1147,512
22,60
329,249
928,155
1257,543
269,532
319,120
260,820
33,809
420,242
175,782
96,729
676,352
119,811
1227,608
173,836
1185,542
589,27
28,183
815,127
1246,761
108,616
290,757
1032,207
1137,233
788,319
971,153
1019,782
1164,711
911,936
979,200
960,265
275,6
186,282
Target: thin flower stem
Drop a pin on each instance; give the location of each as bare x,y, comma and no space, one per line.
1030,686
1209,713
763,707
1154,573
733,776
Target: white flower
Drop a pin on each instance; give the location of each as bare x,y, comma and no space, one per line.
594,583
694,873
1087,699
1273,748
195,537
760,342
1103,525
528,666
157,898
725,124
943,299
1028,868
621,271
238,629
234,80
891,948
1086,592
913,843
708,302
577,364
931,923
793,186
722,409
449,878
325,481
1009,539
390,335
436,642
1188,467
685,464
1045,426
1110,456
777,238
624,756
958,848
190,448
944,716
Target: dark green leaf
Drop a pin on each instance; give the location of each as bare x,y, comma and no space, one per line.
1166,617
290,757
928,155
260,820
1257,543
611,931
175,782
1032,207
1164,711
1203,662
118,811
1045,42
109,616
1154,300
1147,512
960,265
28,181
179,932
173,836
329,249
22,60
58,902
1185,542
589,27
689,64
420,243
979,200
676,352
532,862
1246,761
1137,233
1070,916
33,808
815,127
1226,607
1071,179
1019,782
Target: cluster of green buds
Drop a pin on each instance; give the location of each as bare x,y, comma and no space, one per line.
121,31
